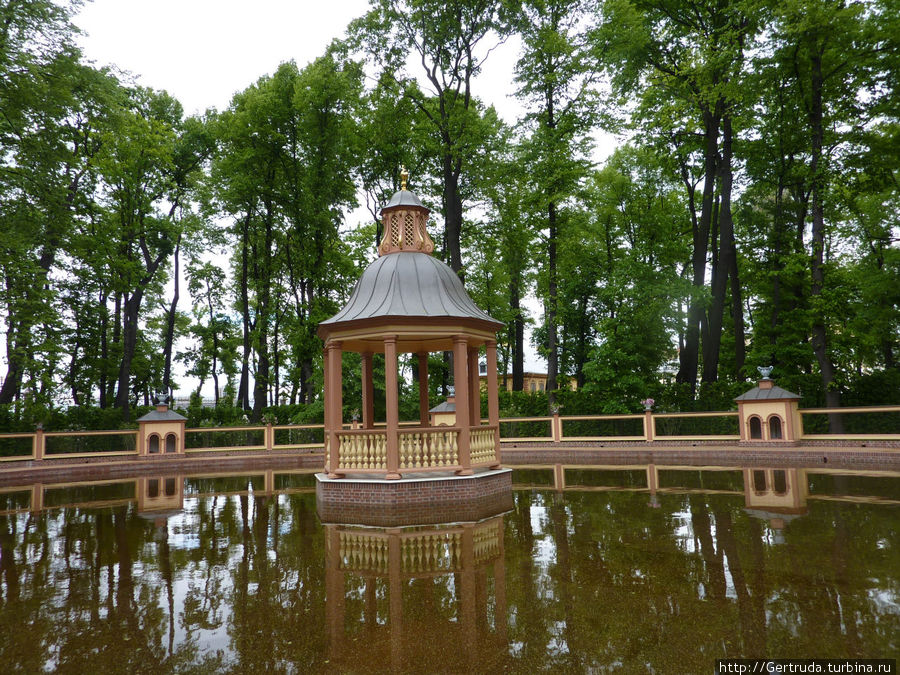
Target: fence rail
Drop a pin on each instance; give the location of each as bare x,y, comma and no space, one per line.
646,427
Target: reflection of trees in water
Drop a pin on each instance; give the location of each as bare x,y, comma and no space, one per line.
626,586
591,580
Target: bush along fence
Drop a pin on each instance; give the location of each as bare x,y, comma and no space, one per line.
763,424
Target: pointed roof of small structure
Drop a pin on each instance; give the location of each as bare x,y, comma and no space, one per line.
766,390
162,414
447,406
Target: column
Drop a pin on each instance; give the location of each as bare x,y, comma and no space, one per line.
368,392
461,387
474,388
333,404
423,388
391,400
492,394
326,399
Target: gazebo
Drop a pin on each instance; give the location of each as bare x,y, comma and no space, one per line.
408,302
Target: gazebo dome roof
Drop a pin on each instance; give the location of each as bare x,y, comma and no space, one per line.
404,197
409,284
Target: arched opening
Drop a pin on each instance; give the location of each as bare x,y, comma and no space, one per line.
779,481
775,427
759,481
170,443
755,428
153,444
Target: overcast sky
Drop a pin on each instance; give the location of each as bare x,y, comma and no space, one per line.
203,51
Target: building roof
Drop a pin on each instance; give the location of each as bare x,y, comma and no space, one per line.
409,284
445,407
162,416
773,393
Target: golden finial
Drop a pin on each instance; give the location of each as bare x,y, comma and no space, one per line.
404,176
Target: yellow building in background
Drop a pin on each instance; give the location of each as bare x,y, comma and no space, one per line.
534,382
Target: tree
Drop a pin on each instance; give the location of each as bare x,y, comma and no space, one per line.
448,40
49,104
556,74
685,60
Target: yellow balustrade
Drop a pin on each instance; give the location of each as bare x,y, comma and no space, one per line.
364,450
483,450
428,448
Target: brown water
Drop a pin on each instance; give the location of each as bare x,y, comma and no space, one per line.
210,575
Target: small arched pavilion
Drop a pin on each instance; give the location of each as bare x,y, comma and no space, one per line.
407,301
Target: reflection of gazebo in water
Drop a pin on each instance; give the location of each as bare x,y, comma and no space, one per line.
409,302
438,592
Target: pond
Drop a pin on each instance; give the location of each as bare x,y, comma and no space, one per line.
238,574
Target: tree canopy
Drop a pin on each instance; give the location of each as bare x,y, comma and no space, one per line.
748,216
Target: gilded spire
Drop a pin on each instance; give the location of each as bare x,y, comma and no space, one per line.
404,176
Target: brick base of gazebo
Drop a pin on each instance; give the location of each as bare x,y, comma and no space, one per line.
351,497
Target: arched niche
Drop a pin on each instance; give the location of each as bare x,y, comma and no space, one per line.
775,428
755,428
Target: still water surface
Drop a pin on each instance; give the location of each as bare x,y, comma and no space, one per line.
238,574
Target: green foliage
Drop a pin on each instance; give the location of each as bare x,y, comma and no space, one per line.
106,189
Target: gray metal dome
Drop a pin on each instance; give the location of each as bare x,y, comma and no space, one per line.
409,284
404,198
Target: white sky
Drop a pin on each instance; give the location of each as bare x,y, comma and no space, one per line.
203,51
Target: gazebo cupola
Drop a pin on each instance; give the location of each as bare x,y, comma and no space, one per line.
407,301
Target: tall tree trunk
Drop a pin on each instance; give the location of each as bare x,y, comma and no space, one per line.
262,269
518,335
131,311
690,355
452,213
170,323
725,267
243,397
817,265
552,306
